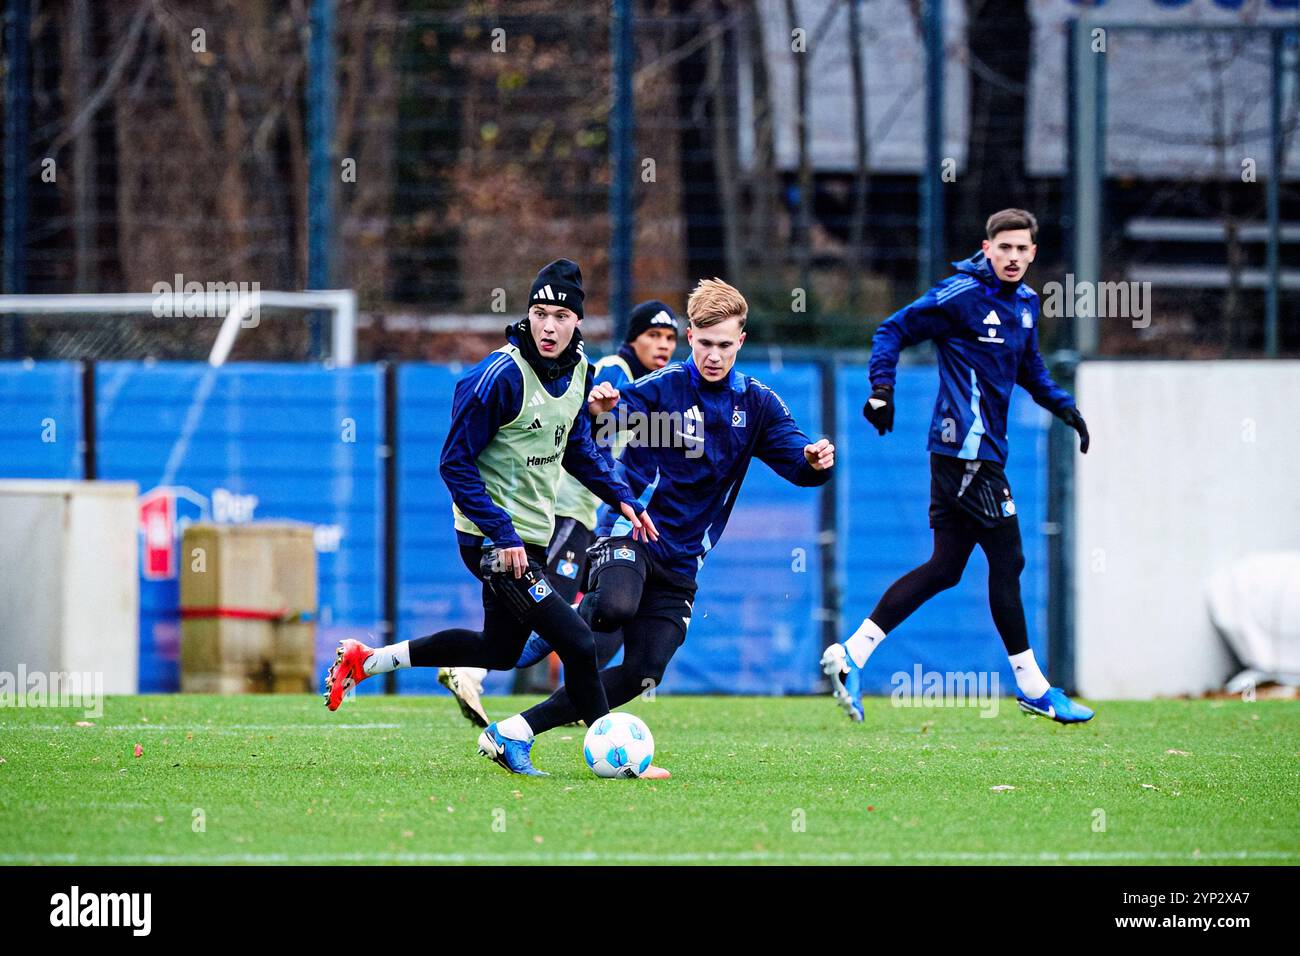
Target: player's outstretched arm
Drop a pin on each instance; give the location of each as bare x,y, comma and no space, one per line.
785,449
1033,377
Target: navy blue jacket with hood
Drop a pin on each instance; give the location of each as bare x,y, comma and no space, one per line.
985,332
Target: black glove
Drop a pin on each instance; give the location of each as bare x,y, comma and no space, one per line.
1075,421
879,408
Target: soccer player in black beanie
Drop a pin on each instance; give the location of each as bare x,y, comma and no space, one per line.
651,339
648,347
519,419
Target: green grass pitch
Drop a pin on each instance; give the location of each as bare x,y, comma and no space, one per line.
755,780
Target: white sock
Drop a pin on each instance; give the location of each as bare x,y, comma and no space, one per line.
515,728
1029,678
386,659
864,641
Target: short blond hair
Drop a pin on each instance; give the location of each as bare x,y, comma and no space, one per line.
714,301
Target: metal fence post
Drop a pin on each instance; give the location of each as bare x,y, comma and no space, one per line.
1273,194
932,207
1060,534
622,122
17,95
321,97
1087,114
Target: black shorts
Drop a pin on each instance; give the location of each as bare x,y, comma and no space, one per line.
965,493
666,595
504,593
566,557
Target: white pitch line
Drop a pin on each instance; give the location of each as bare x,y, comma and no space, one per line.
205,728
593,857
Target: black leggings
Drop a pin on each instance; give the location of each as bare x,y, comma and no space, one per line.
651,618
952,549
512,610
573,537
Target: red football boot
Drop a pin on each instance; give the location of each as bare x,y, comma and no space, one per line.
346,672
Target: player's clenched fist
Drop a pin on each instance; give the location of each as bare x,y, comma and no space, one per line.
602,398
820,455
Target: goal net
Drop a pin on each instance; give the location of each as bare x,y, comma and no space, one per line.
214,325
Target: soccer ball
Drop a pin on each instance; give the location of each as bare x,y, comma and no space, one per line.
619,745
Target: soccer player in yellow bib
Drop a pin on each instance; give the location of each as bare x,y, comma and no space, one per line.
519,419
649,345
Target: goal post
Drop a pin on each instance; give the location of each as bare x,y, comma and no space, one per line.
236,307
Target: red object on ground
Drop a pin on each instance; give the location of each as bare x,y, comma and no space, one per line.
240,613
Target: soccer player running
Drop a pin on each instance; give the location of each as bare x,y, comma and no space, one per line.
720,420
648,347
984,323
518,417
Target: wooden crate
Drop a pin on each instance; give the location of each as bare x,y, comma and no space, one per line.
245,590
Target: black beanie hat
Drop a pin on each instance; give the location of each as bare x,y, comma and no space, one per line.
650,315
558,283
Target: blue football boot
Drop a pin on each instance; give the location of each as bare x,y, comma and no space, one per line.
533,651
846,679
514,755
1056,705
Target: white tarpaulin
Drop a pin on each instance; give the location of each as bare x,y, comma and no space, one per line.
1255,604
